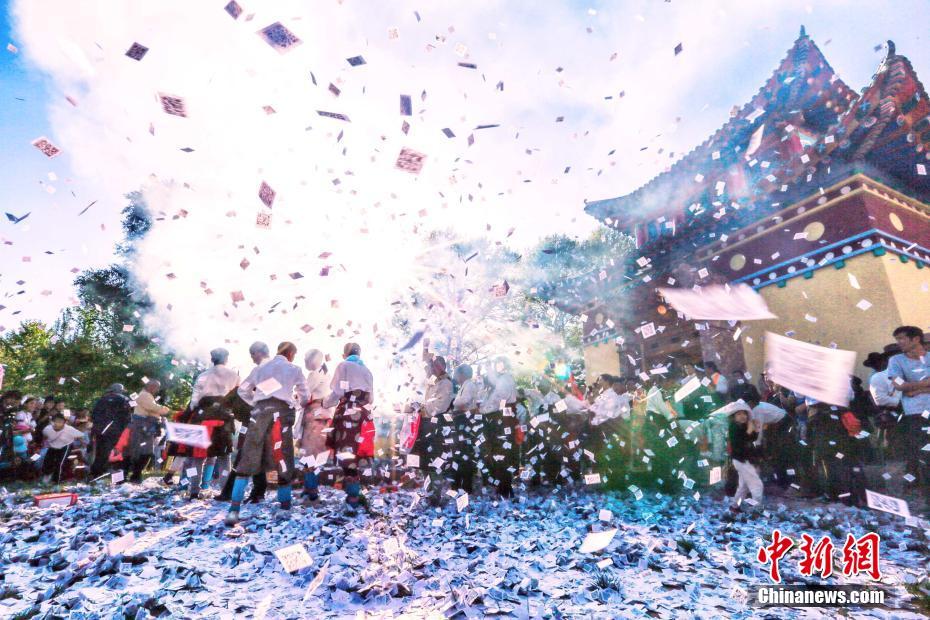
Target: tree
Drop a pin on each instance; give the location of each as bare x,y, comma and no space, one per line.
22,358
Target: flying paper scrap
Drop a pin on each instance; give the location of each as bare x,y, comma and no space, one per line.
736,302
269,386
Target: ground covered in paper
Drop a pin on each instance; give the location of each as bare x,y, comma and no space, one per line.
670,557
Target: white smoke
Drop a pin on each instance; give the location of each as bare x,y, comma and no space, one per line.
341,207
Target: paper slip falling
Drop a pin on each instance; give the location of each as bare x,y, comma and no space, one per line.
592,479
118,545
606,516
715,475
685,390
117,477
816,372
294,557
716,302
887,503
269,386
317,581
595,541
188,434
261,610
413,460
461,502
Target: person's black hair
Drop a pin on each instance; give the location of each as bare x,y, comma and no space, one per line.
711,366
909,331
58,416
875,361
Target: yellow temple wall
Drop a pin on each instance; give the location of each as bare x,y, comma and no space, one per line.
600,359
830,298
911,289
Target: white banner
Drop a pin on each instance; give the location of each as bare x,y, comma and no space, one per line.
188,434
816,372
718,302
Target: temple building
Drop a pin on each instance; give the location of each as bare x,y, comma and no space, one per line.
816,196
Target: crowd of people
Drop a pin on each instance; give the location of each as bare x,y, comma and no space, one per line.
473,430
42,437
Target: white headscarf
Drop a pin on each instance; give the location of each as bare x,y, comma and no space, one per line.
313,360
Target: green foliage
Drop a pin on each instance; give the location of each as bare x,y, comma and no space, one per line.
21,356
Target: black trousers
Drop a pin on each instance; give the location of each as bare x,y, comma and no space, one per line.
54,462
465,456
911,438
104,444
135,467
259,480
499,450
545,444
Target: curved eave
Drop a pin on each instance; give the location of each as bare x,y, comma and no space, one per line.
738,126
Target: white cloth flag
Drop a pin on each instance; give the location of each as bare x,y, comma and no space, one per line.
188,434
816,372
718,302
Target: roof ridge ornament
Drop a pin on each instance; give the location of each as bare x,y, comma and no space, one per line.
891,49
803,32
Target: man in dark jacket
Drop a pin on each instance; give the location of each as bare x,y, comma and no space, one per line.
110,417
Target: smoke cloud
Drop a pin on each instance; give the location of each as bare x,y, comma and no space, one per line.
349,233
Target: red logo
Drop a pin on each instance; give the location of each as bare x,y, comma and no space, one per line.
860,555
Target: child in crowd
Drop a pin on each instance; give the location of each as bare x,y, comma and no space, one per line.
743,453
60,439
82,420
25,422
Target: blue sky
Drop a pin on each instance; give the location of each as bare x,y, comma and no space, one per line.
730,49
54,225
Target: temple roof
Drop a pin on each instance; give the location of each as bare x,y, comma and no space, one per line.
801,124
804,130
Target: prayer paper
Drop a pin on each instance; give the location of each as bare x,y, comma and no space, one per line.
886,503
118,545
685,390
595,541
188,434
294,557
317,581
269,386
